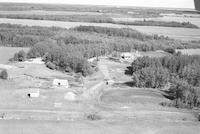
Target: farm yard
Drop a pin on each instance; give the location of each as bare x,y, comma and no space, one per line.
118,102
73,77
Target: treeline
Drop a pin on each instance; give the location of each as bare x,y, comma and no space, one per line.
66,58
122,32
108,39
71,18
24,36
127,39
98,19
182,72
159,23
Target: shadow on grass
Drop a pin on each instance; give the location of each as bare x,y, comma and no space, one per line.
125,84
128,71
168,95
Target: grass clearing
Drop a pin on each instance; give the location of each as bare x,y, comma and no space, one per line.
189,51
8,52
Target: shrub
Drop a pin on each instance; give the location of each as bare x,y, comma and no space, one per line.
93,117
20,56
68,69
4,75
199,117
170,50
50,65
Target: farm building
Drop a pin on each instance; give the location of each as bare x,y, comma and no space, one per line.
61,82
34,93
92,59
110,82
130,56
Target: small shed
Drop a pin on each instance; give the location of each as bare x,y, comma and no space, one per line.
110,82
126,56
34,93
61,83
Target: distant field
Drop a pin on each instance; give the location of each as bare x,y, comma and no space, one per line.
100,17
177,33
7,52
193,20
189,51
43,12
154,54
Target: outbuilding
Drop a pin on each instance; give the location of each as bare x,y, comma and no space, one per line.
61,83
34,93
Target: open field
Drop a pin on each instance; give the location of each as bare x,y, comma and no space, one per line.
8,52
193,20
189,51
97,127
177,33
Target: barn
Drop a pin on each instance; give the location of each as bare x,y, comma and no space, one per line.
61,83
34,93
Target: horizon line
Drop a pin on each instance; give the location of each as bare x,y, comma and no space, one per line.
116,6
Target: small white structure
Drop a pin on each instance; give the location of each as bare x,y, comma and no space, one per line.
126,56
130,56
34,93
92,59
57,104
70,96
110,82
35,61
61,83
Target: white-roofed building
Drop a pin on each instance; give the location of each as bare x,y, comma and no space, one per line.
61,83
34,93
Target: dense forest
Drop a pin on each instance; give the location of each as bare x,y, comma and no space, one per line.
24,36
180,72
117,39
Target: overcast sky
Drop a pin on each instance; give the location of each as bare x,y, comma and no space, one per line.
145,3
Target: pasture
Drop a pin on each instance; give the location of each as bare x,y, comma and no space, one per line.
8,52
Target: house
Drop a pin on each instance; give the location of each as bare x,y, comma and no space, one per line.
110,82
92,59
34,93
126,56
61,83
130,56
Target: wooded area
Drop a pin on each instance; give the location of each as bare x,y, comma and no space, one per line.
69,49
181,72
